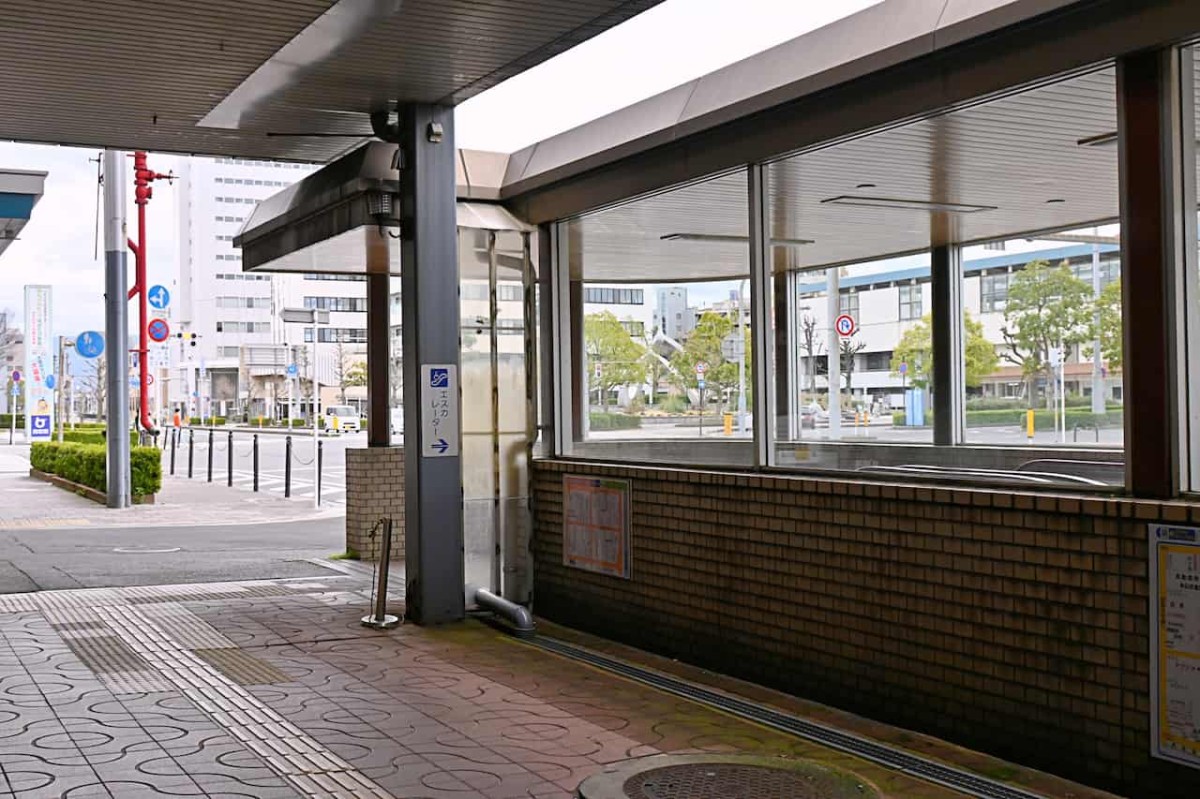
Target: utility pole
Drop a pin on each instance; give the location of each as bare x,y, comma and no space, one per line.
1098,391
61,387
116,323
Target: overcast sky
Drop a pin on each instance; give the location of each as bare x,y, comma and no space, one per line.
668,45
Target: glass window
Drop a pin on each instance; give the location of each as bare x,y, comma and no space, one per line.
911,304
662,370
993,289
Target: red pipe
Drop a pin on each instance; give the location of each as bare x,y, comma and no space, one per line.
142,177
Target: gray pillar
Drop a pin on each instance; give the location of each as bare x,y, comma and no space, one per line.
949,378
430,310
1153,255
379,361
116,329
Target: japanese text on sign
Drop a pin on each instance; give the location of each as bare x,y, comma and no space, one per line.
439,411
1175,651
596,521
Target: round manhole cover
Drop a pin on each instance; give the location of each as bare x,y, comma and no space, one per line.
724,777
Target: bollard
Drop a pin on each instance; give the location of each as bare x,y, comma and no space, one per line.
320,462
379,619
1029,424
210,453
174,441
191,451
229,460
255,447
287,468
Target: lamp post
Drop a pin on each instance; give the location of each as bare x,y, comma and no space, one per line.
314,318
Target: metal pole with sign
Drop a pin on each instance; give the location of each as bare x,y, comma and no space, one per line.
314,318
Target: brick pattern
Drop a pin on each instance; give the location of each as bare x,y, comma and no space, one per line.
374,490
1016,623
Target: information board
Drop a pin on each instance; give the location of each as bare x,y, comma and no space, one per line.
1175,647
596,522
39,365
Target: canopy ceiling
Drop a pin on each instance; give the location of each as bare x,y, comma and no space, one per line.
216,77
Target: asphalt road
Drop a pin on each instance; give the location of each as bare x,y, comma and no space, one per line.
42,559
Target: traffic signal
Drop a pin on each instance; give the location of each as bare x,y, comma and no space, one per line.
190,338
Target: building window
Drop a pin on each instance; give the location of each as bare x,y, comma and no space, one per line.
993,292
338,304
848,303
334,335
634,328
596,295
911,305
229,352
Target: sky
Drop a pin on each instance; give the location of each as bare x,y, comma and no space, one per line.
670,44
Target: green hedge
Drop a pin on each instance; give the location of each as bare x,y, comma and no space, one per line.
92,437
85,464
6,421
614,421
1042,419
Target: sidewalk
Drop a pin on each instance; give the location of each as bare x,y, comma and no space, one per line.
273,689
28,502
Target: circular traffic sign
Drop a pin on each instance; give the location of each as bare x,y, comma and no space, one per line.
903,367
158,297
844,325
701,368
89,344
158,330
50,382
16,376
291,370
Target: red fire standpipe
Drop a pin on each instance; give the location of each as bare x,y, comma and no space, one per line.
142,177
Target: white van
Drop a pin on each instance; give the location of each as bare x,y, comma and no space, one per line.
341,418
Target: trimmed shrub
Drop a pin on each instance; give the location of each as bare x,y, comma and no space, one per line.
672,404
1042,418
85,464
614,421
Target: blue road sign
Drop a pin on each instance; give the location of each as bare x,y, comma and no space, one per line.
39,426
158,330
50,382
89,344
158,297
16,377
291,370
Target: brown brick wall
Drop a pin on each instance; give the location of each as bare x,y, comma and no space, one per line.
1010,622
374,490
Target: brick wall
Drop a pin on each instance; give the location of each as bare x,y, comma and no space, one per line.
374,490
1009,622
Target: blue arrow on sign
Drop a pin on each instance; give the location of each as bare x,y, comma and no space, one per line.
158,297
441,445
89,344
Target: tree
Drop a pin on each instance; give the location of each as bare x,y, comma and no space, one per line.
94,385
704,344
849,348
1111,330
810,345
615,359
356,374
916,350
341,365
1048,307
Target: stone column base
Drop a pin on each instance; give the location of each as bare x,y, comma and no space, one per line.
374,490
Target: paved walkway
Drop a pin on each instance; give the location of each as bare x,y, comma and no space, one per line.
26,502
273,689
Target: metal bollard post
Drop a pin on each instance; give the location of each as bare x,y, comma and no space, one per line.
229,460
320,462
380,620
256,462
191,451
287,468
174,441
210,453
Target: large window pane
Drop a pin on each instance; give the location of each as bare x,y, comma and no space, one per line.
1019,196
1191,328
660,326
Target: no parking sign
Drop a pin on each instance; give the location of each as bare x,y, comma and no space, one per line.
844,325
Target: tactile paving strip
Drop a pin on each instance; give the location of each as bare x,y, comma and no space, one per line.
241,667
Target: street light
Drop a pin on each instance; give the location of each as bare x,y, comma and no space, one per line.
314,318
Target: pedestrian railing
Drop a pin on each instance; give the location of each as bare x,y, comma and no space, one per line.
237,449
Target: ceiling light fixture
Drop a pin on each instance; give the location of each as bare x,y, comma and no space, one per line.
906,205
865,186
716,237
1055,200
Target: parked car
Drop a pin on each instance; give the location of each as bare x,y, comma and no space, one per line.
342,418
397,420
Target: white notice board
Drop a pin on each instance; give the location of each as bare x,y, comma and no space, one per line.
439,410
1175,643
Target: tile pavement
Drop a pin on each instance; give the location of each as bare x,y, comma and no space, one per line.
273,689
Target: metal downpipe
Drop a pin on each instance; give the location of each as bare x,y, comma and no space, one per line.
520,617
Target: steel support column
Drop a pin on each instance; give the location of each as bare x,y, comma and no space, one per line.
1152,254
379,301
949,376
762,351
430,310
116,329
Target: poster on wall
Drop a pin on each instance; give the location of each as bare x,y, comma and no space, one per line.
39,365
596,522
1175,646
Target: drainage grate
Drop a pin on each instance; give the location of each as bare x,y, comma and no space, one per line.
929,770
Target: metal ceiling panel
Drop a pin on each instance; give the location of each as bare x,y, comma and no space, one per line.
130,74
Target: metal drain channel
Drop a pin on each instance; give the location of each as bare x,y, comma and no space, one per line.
928,770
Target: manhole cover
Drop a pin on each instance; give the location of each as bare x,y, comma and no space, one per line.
723,777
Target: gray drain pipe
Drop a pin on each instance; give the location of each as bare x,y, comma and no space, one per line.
520,617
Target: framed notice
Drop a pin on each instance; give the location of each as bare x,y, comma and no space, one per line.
596,522
1175,643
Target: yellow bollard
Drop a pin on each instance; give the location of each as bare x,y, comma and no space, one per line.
1029,424
729,424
